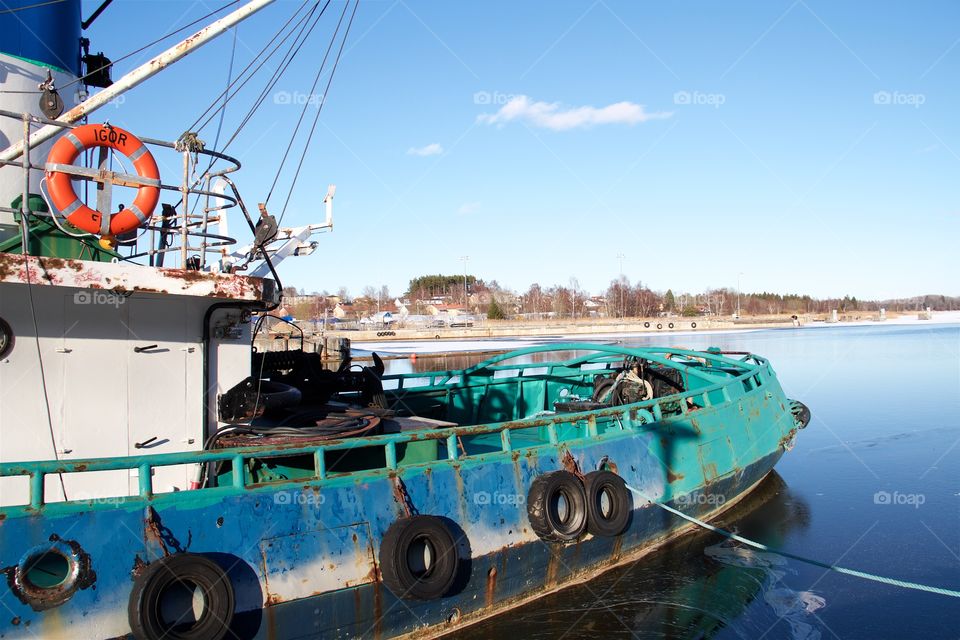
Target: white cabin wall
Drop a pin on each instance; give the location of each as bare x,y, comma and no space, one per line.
104,396
90,401
24,430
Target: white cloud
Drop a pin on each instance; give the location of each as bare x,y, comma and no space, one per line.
933,147
468,207
432,149
552,115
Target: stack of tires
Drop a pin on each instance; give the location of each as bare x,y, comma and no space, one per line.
561,506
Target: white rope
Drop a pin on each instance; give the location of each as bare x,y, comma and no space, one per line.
786,554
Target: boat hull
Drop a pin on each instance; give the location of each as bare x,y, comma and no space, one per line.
303,556
523,574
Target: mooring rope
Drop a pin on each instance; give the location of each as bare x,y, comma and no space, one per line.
786,554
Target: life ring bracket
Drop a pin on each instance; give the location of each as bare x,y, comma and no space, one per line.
103,175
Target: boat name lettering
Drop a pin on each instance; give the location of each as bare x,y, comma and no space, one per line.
109,135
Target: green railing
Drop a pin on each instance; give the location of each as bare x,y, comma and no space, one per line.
611,356
629,417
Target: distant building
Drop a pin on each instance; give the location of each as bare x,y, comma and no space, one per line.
384,318
444,309
591,305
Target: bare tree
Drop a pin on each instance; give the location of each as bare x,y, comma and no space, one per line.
574,295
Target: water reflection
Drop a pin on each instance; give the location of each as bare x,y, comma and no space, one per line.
690,589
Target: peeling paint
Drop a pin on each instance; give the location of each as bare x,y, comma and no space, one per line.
132,278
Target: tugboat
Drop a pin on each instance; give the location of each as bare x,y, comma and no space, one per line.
159,478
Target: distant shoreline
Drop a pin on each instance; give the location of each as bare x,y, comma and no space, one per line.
634,327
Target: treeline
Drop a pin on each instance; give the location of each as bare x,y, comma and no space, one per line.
934,302
426,287
621,299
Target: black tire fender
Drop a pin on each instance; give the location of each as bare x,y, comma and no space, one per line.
646,325
419,558
801,413
174,578
7,339
551,519
670,326
609,503
693,325
659,326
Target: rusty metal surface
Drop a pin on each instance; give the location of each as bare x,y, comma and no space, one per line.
126,278
79,575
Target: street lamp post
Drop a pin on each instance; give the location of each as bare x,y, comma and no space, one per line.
738,294
620,257
465,260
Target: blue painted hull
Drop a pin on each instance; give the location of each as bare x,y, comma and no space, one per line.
303,557
523,573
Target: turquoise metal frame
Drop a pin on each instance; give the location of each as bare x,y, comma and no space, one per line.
753,370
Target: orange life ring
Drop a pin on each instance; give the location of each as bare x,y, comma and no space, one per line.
65,199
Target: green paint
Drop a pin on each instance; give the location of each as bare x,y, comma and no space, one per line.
696,439
37,63
47,240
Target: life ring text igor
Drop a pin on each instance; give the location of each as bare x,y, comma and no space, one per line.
64,198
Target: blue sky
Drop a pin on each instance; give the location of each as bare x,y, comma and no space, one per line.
811,146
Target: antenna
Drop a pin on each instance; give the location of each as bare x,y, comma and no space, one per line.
328,200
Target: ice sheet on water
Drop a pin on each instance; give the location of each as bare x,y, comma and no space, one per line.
793,607
730,553
785,601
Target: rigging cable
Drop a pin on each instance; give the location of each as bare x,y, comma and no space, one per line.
227,96
294,47
226,92
43,373
148,45
25,250
306,103
223,113
223,110
31,6
288,58
85,24
316,118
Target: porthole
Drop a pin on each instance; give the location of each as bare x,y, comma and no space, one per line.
46,569
6,339
49,574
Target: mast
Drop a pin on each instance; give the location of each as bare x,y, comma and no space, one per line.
138,75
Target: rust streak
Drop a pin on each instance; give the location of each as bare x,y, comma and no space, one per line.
377,611
552,566
491,586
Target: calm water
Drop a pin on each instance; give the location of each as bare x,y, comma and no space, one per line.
873,484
